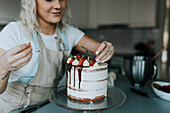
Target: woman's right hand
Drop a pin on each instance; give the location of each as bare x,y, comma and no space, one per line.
15,58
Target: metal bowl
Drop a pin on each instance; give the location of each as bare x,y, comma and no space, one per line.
139,69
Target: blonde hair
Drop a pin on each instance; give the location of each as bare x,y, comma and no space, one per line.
28,17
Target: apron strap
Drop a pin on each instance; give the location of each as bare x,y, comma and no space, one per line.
60,41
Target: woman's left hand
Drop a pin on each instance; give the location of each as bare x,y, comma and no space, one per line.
104,52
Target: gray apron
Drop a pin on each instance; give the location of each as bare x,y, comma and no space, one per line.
51,69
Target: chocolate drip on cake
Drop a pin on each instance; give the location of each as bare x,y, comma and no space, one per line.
69,66
79,73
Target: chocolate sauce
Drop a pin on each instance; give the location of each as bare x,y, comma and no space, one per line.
165,88
69,66
79,73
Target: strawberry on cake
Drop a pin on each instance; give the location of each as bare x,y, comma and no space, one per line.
86,79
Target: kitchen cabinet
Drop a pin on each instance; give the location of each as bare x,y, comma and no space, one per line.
113,12
79,11
9,10
94,13
84,13
142,13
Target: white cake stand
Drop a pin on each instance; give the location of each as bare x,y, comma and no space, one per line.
115,97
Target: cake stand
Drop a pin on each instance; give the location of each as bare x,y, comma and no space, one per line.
115,97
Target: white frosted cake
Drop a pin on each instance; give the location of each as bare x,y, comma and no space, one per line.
86,79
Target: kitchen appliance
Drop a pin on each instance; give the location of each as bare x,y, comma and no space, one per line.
139,69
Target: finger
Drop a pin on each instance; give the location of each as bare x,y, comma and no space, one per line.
103,59
111,50
17,49
109,57
102,46
20,66
102,54
20,63
22,54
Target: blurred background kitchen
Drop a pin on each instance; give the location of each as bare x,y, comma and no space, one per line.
133,27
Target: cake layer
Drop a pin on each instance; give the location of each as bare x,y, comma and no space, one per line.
77,94
84,85
84,105
87,74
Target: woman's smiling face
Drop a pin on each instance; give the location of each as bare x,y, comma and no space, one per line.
50,11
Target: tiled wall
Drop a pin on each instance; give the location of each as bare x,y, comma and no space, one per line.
125,39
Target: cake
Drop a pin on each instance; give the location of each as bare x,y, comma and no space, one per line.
88,105
86,79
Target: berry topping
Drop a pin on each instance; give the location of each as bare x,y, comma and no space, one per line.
80,63
71,56
82,60
90,59
79,60
78,55
92,62
29,44
85,57
70,59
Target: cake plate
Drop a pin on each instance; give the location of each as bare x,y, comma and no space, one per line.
115,97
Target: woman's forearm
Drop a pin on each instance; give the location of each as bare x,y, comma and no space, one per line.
87,45
3,81
103,51
4,75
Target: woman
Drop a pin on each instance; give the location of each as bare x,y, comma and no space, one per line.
29,72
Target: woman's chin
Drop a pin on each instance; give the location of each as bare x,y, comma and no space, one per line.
55,21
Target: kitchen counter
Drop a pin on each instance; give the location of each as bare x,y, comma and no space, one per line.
134,103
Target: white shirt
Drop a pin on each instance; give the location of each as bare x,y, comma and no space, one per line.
14,34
